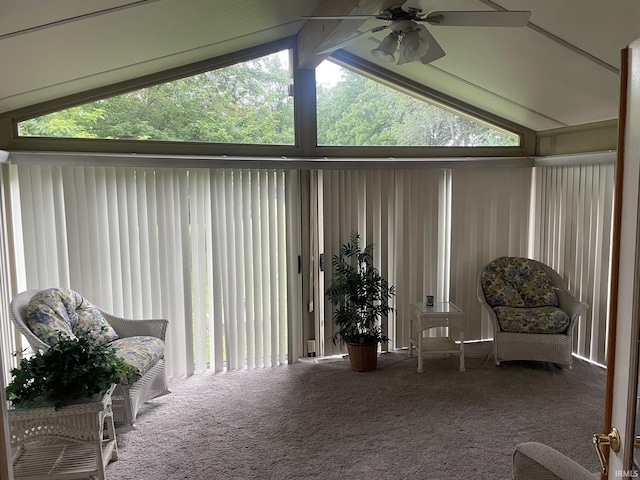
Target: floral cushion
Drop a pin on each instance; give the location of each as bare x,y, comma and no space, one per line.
62,310
517,282
532,320
142,352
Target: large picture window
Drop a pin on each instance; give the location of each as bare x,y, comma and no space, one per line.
354,110
245,103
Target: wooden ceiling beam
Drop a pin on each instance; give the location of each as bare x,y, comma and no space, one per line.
318,35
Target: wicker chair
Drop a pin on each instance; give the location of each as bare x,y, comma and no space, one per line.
519,345
126,399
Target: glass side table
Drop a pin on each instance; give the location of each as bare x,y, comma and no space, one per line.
76,441
441,314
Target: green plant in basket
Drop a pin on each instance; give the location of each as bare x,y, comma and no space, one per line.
69,370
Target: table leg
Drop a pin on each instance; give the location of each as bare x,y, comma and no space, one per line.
111,432
462,369
420,369
100,462
411,335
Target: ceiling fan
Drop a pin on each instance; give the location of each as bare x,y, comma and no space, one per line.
410,36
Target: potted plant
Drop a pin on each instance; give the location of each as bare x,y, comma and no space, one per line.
70,370
361,296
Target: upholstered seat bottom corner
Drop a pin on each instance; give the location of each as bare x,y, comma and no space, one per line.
140,351
547,319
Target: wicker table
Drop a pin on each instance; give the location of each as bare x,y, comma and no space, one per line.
68,443
425,317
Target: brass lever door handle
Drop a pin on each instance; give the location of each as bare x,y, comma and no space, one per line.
612,440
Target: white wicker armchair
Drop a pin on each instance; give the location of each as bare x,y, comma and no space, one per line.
544,347
126,399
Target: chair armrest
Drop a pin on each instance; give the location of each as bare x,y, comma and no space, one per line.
571,304
533,460
18,315
483,302
130,328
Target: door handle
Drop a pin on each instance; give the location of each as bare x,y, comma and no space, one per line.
612,440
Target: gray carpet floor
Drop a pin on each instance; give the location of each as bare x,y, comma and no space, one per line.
324,421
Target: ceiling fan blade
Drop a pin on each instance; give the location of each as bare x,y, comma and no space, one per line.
412,5
344,17
435,51
478,19
352,39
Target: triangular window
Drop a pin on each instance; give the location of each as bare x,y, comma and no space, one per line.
354,110
245,103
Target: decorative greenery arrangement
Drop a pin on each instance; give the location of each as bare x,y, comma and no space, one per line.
70,369
361,294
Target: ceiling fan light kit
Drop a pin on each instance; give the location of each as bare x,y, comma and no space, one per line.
413,47
409,32
406,35
385,52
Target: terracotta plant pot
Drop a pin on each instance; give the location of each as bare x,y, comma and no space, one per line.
363,357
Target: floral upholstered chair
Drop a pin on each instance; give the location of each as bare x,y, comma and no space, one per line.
532,312
40,314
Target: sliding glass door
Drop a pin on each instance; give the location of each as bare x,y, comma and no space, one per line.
209,249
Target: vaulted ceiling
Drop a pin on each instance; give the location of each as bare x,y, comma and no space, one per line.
560,70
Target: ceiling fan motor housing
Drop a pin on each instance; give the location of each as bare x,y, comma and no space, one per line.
402,27
397,12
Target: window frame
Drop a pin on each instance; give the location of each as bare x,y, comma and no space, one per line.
140,91
304,149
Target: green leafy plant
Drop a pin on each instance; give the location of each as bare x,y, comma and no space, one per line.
71,369
360,293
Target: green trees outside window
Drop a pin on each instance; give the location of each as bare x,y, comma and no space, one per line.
249,103
246,103
359,111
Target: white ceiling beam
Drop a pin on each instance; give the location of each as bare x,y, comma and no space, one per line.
558,40
62,21
318,35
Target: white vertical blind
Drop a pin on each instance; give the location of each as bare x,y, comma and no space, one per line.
199,193
489,219
421,234
215,250
8,345
573,224
48,251
248,271
206,249
173,260
293,251
398,211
